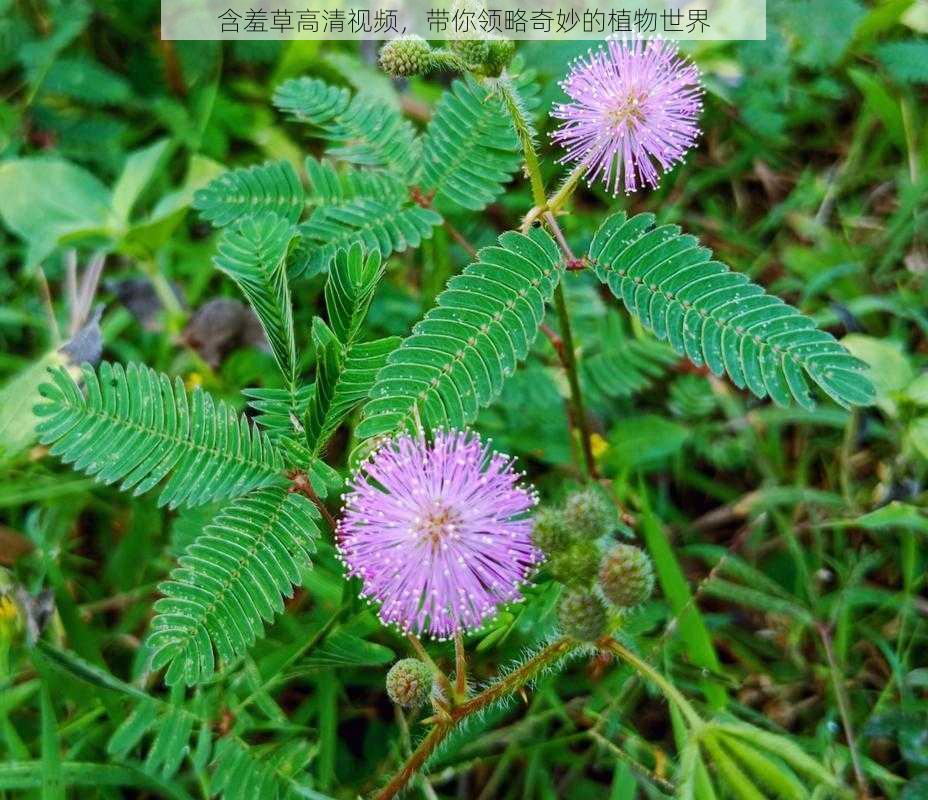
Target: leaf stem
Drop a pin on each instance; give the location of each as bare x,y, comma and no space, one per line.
573,379
662,784
524,130
317,638
670,691
843,710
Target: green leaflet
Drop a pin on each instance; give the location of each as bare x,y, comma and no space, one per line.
470,148
246,773
350,289
253,252
388,225
345,368
461,352
625,365
719,318
170,725
768,771
229,582
135,426
329,186
362,130
238,193
344,376
278,411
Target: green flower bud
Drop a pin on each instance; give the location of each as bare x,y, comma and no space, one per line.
409,682
626,576
473,51
550,534
589,514
577,565
405,56
582,616
500,54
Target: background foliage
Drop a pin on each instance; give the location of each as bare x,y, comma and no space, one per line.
789,543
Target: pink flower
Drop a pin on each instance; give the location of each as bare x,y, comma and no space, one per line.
439,532
632,113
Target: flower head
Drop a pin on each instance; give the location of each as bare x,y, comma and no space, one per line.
405,56
438,532
632,113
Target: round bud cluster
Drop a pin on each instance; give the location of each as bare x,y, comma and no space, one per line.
409,682
405,56
595,574
589,514
626,576
500,53
474,52
549,533
577,564
582,615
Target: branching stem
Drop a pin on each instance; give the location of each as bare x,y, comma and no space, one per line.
510,683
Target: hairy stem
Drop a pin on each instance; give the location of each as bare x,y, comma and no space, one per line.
510,683
422,653
460,667
525,132
566,189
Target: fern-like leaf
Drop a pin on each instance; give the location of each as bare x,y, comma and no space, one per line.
460,353
625,365
230,581
279,411
362,130
238,193
387,226
344,376
350,289
719,318
171,727
470,148
135,426
329,186
245,773
253,252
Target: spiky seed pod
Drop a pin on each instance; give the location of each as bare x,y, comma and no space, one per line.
550,533
409,682
589,514
473,51
577,565
500,53
582,615
626,576
405,56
